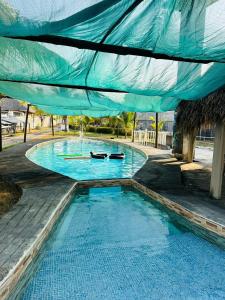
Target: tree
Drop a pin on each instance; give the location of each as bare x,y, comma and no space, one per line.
86,121
66,123
40,113
115,122
37,111
157,126
134,126
127,118
153,124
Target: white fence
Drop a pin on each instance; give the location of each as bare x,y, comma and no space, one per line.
146,137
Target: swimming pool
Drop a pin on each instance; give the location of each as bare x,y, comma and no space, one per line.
49,156
113,243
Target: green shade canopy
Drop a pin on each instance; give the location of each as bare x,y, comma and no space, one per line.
100,58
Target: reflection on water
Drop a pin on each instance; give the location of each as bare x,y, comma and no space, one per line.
113,244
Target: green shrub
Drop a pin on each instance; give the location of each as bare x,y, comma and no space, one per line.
91,128
104,130
74,127
122,131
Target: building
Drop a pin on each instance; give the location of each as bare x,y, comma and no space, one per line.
14,115
144,122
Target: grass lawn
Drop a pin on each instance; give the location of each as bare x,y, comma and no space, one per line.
89,134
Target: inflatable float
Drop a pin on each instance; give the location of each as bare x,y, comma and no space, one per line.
77,157
117,156
98,155
70,155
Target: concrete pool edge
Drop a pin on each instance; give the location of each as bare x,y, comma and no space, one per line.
195,218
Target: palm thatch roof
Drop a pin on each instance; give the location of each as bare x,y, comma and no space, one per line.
191,115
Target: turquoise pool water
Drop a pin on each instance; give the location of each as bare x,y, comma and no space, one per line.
47,157
114,244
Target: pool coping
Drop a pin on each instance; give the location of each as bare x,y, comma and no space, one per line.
10,281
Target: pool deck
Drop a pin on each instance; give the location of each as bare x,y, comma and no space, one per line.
173,180
42,192
46,193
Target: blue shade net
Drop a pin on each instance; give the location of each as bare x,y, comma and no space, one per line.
100,58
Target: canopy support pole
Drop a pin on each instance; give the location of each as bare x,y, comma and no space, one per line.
156,129
26,122
177,139
218,162
184,145
52,125
189,146
65,118
0,129
134,124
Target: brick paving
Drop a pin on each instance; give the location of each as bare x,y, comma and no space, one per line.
164,175
42,190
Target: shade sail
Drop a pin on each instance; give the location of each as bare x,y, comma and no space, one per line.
58,99
73,71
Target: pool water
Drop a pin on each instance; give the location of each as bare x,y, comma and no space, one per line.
113,244
48,157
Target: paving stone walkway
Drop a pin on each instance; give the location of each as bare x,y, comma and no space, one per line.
42,190
10,140
163,175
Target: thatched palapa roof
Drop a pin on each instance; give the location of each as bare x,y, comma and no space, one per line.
209,110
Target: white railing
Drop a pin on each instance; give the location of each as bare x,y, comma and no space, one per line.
146,137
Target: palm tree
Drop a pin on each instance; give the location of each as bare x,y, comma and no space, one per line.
114,122
127,118
134,125
86,121
66,123
40,113
154,123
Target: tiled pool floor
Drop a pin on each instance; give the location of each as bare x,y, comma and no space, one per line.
113,244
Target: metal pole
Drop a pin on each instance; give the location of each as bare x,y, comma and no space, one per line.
26,121
0,129
53,133
156,129
134,122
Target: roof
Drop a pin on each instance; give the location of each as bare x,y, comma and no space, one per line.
12,120
8,104
164,116
207,111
